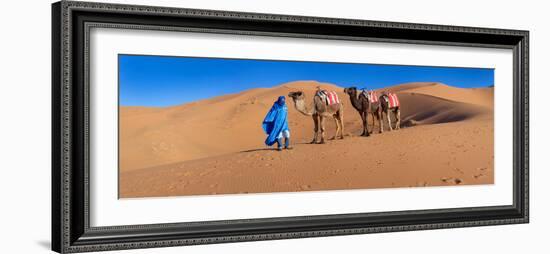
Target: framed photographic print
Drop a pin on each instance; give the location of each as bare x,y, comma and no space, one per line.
181,126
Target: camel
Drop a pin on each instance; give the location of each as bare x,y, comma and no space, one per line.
319,111
386,108
364,106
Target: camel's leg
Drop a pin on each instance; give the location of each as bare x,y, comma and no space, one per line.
380,117
373,123
341,119
388,114
364,116
398,119
335,117
322,125
316,129
362,122
365,126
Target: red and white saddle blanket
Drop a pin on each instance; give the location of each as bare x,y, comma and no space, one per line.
371,95
393,100
330,97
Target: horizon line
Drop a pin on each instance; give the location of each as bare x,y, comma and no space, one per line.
285,83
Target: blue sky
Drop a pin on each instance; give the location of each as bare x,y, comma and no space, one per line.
167,81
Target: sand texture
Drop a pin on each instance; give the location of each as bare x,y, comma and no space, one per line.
215,146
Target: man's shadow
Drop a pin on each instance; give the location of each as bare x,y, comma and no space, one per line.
274,148
259,149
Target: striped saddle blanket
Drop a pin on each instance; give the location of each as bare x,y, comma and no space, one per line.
393,100
330,97
372,96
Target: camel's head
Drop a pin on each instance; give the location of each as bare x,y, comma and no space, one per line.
351,90
298,95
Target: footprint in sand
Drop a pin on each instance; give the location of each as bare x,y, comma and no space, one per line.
451,180
204,173
184,174
478,176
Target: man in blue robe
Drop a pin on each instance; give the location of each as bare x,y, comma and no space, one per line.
275,125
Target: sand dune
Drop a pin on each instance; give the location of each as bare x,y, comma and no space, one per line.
156,143
448,154
407,86
427,109
205,128
477,96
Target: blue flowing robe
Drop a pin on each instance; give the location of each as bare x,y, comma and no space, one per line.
276,121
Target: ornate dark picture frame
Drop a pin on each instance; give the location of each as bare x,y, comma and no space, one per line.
71,231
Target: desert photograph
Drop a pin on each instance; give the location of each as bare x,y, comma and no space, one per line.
205,126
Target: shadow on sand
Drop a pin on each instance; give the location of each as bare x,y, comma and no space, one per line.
274,148
259,149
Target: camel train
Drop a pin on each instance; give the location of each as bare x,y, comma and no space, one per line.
327,104
369,102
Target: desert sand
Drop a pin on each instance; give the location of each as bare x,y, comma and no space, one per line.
215,146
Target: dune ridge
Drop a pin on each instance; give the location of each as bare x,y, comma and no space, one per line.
151,139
